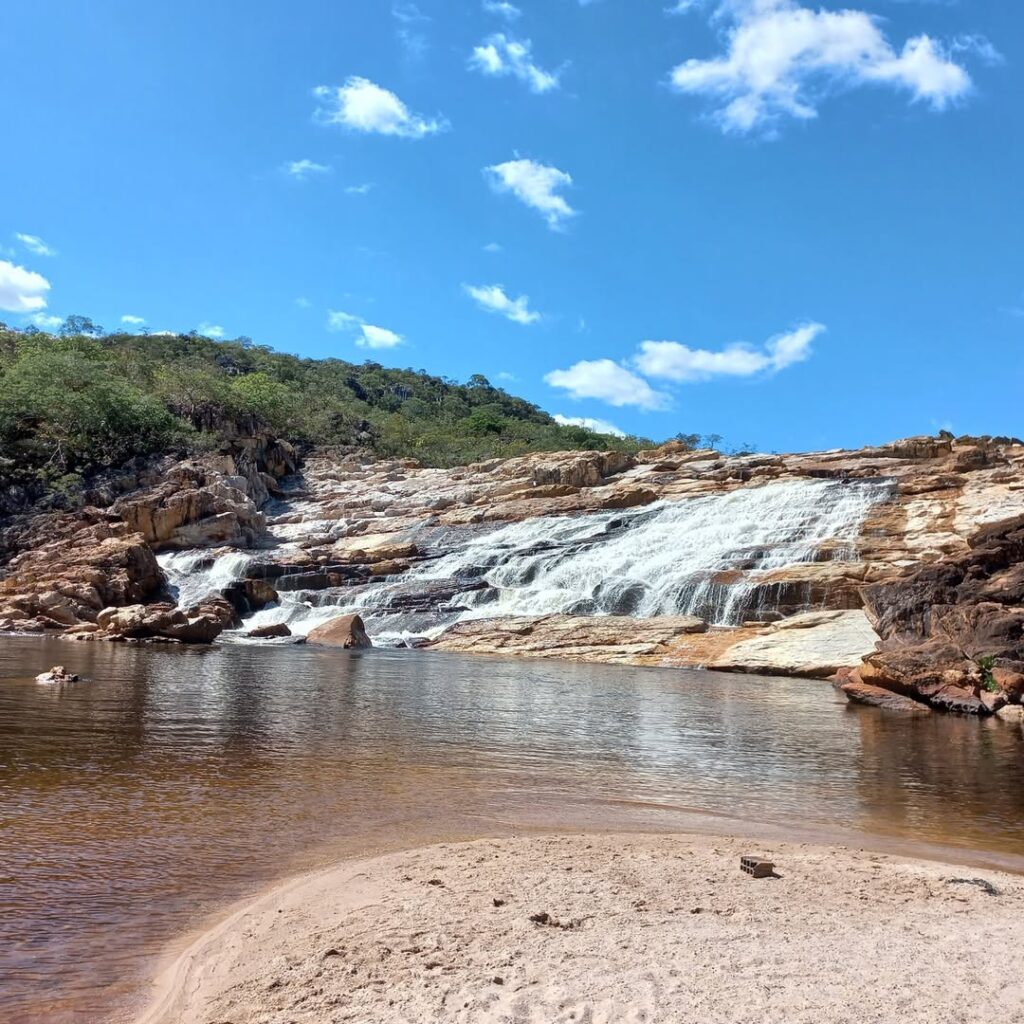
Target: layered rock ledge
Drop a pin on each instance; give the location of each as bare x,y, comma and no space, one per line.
933,576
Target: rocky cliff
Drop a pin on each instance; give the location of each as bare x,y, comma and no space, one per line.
796,564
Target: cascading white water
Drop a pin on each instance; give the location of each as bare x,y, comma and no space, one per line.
195,575
703,556
665,559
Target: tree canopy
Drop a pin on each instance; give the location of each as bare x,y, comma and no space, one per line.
83,401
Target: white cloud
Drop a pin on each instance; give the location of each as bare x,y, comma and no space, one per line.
780,57
367,335
133,321
46,321
35,244
492,298
210,330
303,169
359,190
672,361
536,185
608,381
588,423
503,9
492,247
499,55
21,290
506,376
363,106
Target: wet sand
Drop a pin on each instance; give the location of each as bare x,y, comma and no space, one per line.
612,928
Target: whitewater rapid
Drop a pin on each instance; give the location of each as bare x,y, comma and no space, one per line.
704,556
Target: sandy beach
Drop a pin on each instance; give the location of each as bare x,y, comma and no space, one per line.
604,929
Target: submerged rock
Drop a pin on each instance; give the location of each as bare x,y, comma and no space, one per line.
874,696
59,674
586,638
346,631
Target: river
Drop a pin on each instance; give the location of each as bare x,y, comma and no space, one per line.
175,781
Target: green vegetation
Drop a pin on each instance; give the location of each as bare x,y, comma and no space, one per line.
84,401
988,680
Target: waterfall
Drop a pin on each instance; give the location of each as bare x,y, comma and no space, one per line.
195,575
703,556
711,557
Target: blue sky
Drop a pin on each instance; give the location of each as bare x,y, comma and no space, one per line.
799,225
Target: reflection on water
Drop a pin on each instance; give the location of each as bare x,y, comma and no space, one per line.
177,780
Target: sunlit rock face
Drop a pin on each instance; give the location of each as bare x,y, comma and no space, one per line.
591,555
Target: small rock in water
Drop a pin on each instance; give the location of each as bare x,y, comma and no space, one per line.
278,629
59,674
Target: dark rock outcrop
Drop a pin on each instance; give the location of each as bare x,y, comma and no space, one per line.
953,632
250,595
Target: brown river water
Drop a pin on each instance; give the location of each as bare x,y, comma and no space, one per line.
175,782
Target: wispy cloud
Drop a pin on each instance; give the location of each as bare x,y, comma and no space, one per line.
411,35
536,185
589,423
492,299
21,290
363,106
303,169
208,330
133,321
493,248
608,381
499,56
359,190
35,244
503,9
672,361
366,335
780,58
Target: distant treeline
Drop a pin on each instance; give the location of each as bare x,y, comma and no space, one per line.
81,401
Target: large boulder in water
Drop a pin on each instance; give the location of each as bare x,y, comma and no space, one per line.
346,631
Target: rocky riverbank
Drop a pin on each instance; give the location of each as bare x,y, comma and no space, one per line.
898,568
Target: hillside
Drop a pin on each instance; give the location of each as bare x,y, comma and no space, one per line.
78,403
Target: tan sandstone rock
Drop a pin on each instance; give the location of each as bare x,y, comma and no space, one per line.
346,631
